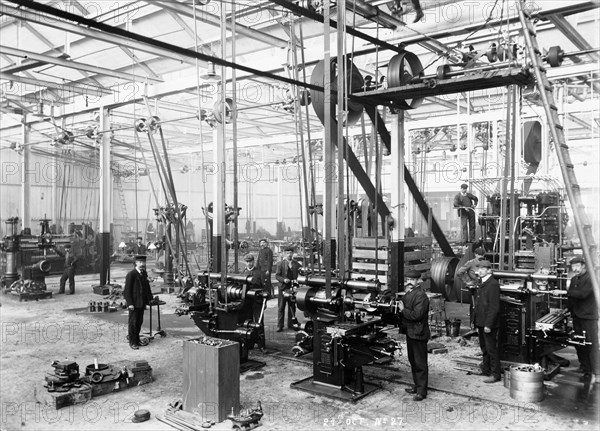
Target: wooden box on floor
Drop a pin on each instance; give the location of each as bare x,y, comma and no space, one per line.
211,377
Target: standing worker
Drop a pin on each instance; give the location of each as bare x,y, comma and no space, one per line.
138,295
139,248
466,202
468,273
69,271
258,308
584,311
265,265
414,308
287,271
487,312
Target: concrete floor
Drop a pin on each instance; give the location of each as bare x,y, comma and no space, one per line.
35,333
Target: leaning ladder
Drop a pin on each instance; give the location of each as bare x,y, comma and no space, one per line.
118,180
584,228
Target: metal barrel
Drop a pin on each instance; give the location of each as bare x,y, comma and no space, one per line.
526,386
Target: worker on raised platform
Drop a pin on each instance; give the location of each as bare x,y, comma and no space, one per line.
466,202
584,311
414,308
138,295
287,272
487,312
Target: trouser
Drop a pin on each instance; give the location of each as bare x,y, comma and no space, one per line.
489,347
70,275
281,303
136,318
266,279
467,224
256,311
588,355
417,356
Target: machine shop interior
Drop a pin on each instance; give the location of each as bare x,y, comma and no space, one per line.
299,214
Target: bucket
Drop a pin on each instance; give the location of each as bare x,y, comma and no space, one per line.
507,377
526,384
452,327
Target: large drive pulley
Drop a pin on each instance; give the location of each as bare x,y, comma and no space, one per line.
402,69
353,110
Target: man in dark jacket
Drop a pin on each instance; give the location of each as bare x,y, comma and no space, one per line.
138,295
258,307
468,274
69,271
264,262
414,308
487,310
584,311
287,271
466,202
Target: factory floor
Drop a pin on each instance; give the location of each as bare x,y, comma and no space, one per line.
38,332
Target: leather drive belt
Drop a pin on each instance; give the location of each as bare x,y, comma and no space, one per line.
353,113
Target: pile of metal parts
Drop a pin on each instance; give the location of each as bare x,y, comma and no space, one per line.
226,310
106,306
178,418
66,375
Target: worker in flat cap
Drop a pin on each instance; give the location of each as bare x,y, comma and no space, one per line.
584,311
287,271
414,308
466,202
139,248
69,269
256,281
137,295
487,312
264,262
468,275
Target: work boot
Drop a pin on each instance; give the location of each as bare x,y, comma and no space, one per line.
419,15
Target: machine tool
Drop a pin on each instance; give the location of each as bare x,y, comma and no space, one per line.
226,310
346,331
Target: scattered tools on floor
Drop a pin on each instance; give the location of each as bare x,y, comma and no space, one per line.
247,420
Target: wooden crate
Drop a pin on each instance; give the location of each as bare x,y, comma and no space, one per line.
211,378
58,400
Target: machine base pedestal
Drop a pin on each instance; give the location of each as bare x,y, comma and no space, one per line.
340,393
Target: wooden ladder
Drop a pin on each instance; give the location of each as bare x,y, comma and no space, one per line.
584,227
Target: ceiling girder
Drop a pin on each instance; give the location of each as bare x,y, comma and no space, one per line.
66,63
93,34
65,87
185,10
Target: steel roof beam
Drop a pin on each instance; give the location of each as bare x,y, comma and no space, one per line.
92,33
67,63
259,36
56,85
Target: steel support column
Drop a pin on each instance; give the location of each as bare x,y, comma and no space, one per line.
26,184
105,199
397,205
